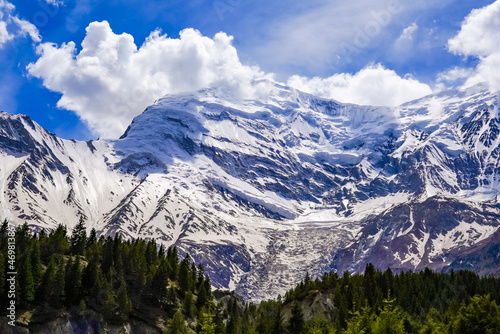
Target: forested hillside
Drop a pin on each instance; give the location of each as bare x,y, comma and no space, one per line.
98,283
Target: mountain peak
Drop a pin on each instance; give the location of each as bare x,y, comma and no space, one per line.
262,189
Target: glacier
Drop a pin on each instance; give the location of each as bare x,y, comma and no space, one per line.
261,191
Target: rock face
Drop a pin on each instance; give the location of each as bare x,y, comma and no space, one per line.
92,324
261,191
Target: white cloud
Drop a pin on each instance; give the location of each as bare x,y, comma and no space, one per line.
55,2
455,74
480,33
479,37
27,28
12,26
407,33
4,34
111,80
403,46
373,85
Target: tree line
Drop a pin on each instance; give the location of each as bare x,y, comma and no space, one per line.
61,273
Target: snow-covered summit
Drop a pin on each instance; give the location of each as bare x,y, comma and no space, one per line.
263,188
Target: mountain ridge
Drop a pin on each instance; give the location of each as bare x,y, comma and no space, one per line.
244,185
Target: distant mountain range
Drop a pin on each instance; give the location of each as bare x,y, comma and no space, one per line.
263,191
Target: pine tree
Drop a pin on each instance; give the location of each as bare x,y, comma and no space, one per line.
360,322
52,287
370,284
189,305
123,301
297,323
278,326
74,287
390,319
481,316
59,284
59,241
159,283
151,253
203,295
26,281
184,276
2,275
36,261
178,324
206,320
92,237
173,261
78,238
220,326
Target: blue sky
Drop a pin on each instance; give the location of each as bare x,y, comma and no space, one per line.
294,40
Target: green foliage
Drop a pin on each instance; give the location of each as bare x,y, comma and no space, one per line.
78,239
482,315
121,278
297,323
361,322
390,320
207,324
178,324
107,275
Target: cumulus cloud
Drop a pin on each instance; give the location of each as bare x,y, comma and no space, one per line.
11,26
111,80
373,85
479,37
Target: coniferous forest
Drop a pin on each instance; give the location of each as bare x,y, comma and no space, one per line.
69,274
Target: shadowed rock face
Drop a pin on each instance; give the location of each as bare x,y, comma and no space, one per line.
262,192
437,233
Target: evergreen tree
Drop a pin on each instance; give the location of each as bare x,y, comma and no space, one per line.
178,324
481,316
220,326
370,284
26,281
203,295
173,261
189,305
58,241
234,325
52,287
2,275
184,276
159,283
78,238
92,237
74,286
361,322
36,261
390,319
123,301
206,320
297,323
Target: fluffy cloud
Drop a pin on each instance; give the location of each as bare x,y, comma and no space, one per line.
111,80
12,26
479,37
373,85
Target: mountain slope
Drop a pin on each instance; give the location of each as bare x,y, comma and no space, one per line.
263,190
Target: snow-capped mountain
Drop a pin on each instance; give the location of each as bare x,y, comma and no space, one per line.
262,190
